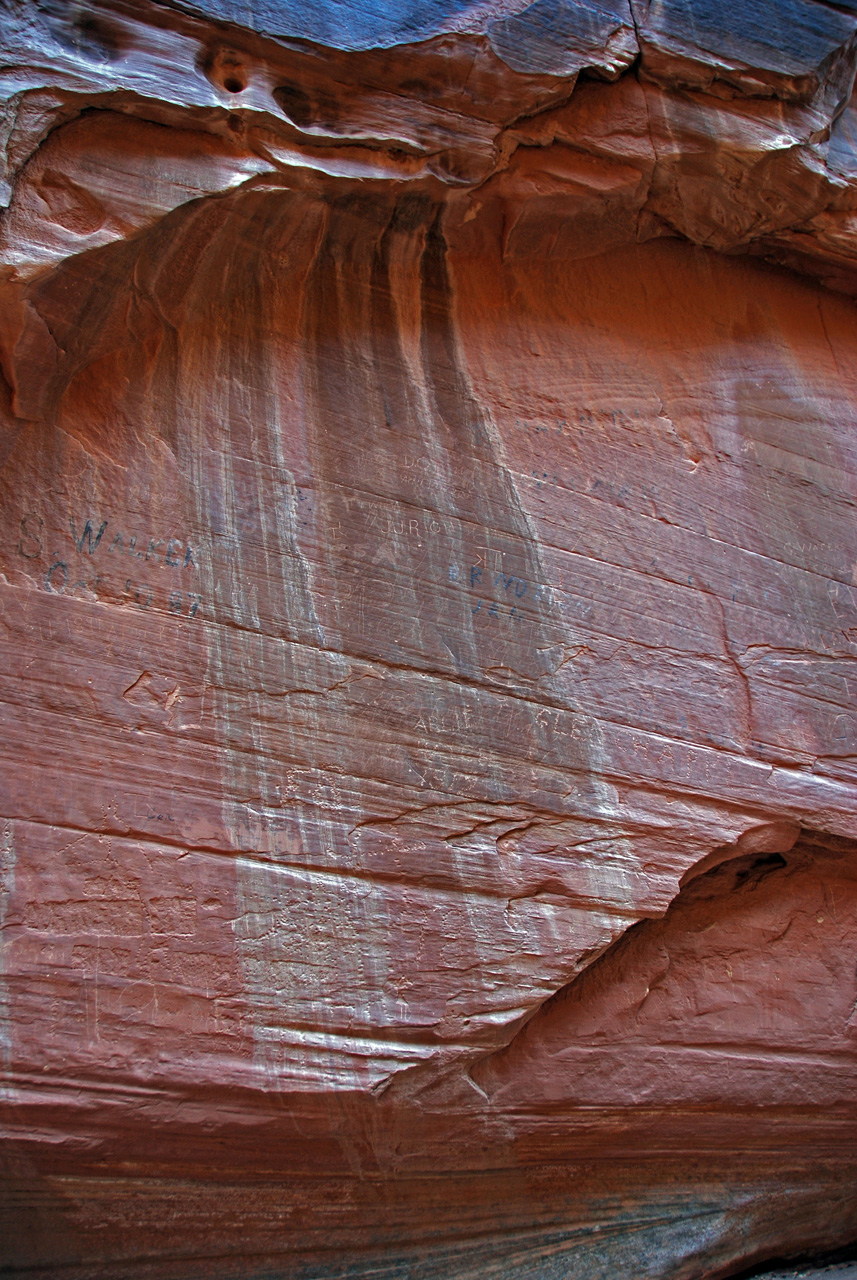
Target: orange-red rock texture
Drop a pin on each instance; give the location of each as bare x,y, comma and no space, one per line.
428,589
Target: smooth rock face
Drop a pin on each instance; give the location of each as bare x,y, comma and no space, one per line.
428,798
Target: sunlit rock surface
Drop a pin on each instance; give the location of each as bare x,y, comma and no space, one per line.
428,587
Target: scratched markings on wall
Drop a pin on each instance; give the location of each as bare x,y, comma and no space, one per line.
91,560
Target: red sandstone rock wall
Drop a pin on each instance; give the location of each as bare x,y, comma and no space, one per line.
429,630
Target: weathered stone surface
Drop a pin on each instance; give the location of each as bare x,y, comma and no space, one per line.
428,797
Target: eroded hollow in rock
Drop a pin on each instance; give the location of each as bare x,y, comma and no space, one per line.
227,69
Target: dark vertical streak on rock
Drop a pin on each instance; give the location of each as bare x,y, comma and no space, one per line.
425,455
493,512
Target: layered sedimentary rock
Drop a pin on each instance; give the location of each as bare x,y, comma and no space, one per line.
429,782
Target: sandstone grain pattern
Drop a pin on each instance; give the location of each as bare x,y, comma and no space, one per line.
428,590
